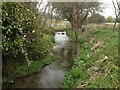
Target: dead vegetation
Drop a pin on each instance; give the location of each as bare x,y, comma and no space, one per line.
103,71
96,44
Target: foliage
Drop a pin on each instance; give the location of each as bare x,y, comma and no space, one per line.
23,39
40,48
96,18
110,19
17,27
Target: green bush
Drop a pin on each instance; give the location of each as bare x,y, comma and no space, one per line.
22,37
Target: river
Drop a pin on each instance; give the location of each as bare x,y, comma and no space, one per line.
52,76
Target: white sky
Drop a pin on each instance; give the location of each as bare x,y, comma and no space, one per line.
108,11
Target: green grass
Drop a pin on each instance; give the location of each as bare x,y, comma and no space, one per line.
86,72
35,66
70,33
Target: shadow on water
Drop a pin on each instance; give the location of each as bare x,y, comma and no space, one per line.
52,76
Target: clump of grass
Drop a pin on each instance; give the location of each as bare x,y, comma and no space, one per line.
35,66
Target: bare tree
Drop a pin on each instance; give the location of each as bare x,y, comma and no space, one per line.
44,13
76,13
116,4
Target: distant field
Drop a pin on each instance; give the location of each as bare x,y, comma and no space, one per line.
66,24
111,23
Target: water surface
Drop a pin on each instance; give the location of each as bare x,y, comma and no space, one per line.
52,76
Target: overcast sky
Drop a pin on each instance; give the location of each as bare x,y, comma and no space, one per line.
108,11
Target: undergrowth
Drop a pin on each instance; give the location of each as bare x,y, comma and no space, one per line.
97,69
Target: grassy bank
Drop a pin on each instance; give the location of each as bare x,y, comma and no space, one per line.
17,70
97,65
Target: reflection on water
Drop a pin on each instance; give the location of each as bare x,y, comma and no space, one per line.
52,76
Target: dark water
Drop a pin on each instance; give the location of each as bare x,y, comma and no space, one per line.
52,76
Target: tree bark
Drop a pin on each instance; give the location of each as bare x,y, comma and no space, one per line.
74,28
76,36
114,25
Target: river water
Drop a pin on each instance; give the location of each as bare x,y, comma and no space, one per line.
52,76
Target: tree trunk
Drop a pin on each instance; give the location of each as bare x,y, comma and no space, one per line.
114,25
76,36
74,28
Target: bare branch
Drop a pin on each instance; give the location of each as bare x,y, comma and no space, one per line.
117,11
